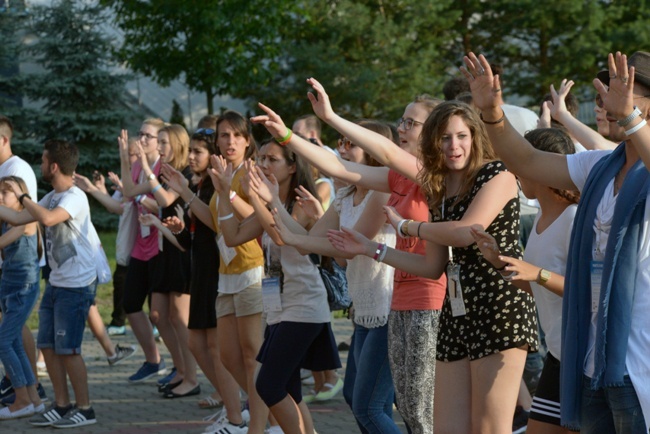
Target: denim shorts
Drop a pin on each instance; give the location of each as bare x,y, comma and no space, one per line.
62,317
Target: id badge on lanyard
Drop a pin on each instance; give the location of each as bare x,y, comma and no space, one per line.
271,294
454,288
596,268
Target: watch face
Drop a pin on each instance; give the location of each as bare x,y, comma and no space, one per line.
544,275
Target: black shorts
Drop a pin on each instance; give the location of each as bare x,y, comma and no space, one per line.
546,402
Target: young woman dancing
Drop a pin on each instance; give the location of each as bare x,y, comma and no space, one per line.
299,333
416,300
487,325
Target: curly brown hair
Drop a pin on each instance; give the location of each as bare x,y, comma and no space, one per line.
434,170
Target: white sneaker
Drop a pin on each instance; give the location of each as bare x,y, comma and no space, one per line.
222,422
274,430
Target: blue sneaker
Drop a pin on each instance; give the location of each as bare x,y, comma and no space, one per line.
167,378
10,399
148,370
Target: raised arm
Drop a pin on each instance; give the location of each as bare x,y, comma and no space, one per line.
129,188
520,156
430,265
379,147
373,178
587,137
152,220
111,205
177,182
483,209
619,103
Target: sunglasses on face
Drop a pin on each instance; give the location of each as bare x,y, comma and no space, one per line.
408,123
344,142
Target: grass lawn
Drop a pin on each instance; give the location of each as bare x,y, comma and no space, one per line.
104,298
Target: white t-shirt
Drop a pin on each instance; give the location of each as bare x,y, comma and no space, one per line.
16,166
549,250
68,245
637,361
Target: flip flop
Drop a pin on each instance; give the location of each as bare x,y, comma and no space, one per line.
210,402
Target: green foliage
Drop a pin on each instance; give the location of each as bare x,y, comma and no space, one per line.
75,96
373,57
177,115
217,47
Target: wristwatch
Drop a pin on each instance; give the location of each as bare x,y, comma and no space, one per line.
543,276
152,176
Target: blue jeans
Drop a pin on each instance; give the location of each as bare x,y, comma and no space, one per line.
62,317
368,382
17,301
611,410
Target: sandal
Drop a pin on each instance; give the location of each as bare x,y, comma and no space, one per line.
210,402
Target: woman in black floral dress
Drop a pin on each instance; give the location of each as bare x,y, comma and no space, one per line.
487,324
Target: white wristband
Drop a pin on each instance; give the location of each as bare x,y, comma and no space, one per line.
226,217
635,128
232,195
399,228
629,118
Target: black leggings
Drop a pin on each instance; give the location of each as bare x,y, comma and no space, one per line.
285,346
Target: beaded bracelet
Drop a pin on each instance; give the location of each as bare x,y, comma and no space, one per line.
629,118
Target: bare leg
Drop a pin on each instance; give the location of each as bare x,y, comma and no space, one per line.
452,406
160,317
495,386
524,399
57,373
289,416
96,326
250,341
179,312
143,332
231,355
76,370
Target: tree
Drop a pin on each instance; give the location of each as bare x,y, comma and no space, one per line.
373,57
76,96
177,116
218,47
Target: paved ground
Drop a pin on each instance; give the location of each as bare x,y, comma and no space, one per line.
123,408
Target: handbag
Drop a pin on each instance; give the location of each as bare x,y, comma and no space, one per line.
335,281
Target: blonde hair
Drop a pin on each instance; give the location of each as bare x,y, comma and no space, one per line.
433,171
180,143
157,123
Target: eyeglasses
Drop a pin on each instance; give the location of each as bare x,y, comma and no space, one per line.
346,143
146,136
408,123
601,104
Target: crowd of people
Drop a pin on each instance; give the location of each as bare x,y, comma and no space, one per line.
471,313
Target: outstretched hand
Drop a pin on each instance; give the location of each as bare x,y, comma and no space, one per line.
487,244
123,144
309,203
271,121
558,107
486,87
173,178
618,100
393,216
266,188
320,102
288,237
84,183
221,173
350,241
115,179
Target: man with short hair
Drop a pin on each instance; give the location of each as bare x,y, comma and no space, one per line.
70,290
605,340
